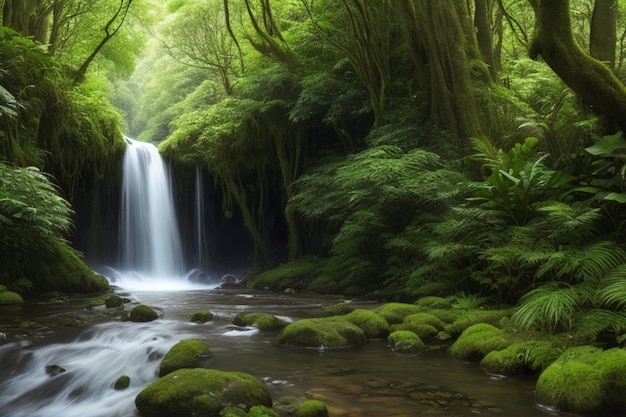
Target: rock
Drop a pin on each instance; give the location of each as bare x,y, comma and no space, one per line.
54,370
396,312
434,302
338,309
202,316
477,341
424,325
142,313
122,383
10,297
321,333
201,392
114,301
188,353
262,411
373,325
528,357
585,380
311,408
233,412
405,341
262,321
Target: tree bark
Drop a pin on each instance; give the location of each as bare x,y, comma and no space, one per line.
593,81
603,33
482,23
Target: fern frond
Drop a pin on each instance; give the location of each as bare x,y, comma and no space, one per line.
612,292
547,308
591,323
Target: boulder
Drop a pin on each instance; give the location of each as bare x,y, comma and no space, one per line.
373,325
424,325
188,353
311,408
201,392
202,316
396,312
10,297
477,341
122,383
113,301
321,333
142,313
529,357
262,321
405,341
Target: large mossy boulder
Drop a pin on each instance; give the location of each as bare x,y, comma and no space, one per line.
10,298
201,392
202,316
262,321
396,312
311,408
321,333
373,325
405,341
469,318
188,353
142,313
529,357
424,325
477,341
586,380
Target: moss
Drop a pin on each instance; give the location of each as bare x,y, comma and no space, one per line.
477,341
405,341
425,325
233,412
142,313
262,411
188,353
122,383
324,332
311,408
469,318
396,312
113,301
200,392
372,324
527,357
95,302
338,309
434,302
612,366
202,316
10,297
293,275
262,321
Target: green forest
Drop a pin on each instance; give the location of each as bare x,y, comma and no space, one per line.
390,149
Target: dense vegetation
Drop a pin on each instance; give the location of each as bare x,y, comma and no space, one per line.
395,149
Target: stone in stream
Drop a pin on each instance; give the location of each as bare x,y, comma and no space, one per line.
188,353
142,314
54,370
262,321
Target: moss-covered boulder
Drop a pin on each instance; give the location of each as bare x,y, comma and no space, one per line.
396,312
10,298
262,321
202,316
142,313
529,357
373,325
311,408
262,411
338,309
188,353
201,392
233,412
122,383
405,341
114,301
471,317
321,332
424,325
477,341
586,380
434,302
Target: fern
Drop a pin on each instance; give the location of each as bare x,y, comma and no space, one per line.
589,324
549,308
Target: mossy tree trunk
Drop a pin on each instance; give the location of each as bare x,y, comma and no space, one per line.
603,33
483,24
593,81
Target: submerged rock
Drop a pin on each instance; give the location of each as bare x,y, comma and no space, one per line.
188,353
321,333
201,392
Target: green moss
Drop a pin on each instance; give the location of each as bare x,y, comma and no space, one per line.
3,288
95,302
372,324
338,309
469,318
262,321
527,357
294,275
113,301
233,412
425,325
122,383
434,302
405,341
262,411
477,341
188,353
311,408
202,316
10,297
396,312
324,332
612,366
142,313
200,392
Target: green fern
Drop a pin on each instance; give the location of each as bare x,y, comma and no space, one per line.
549,308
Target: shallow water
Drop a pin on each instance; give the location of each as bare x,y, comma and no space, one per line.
368,382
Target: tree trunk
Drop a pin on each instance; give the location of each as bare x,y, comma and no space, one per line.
593,81
603,31
482,23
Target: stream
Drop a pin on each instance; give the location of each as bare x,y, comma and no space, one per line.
371,381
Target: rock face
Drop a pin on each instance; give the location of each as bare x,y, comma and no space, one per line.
188,353
321,333
201,392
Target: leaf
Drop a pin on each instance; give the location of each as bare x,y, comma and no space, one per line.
607,145
619,197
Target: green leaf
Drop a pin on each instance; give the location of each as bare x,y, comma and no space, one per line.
607,145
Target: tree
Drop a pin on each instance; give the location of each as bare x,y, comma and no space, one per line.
603,31
592,80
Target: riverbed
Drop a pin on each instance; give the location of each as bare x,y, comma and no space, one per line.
371,381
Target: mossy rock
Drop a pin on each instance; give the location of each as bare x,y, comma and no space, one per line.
142,313
585,380
202,316
188,353
311,408
405,341
373,325
10,298
3,288
471,317
233,412
262,321
122,383
262,411
321,332
338,309
434,302
95,302
201,392
529,357
477,341
396,312
424,325
114,301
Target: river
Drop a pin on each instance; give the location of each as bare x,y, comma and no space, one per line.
371,381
